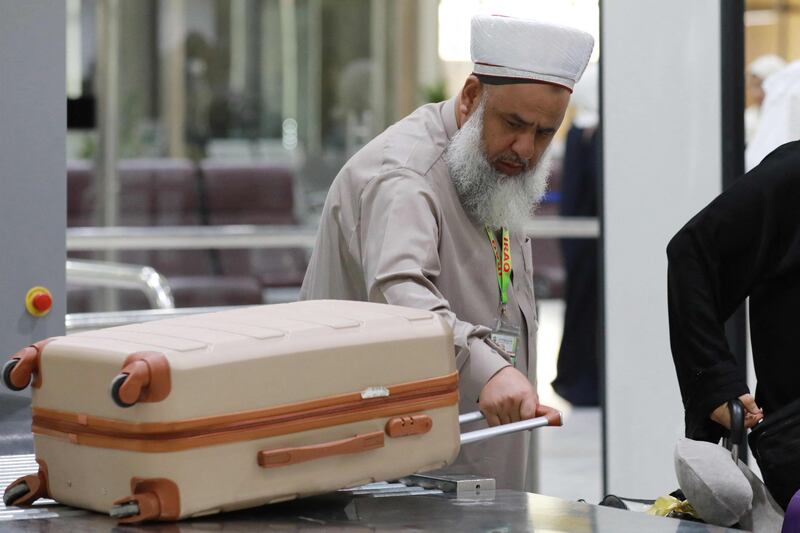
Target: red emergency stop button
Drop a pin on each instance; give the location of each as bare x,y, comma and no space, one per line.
38,301
42,302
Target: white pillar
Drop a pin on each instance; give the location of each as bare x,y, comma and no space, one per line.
661,164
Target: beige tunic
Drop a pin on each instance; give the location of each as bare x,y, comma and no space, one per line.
393,231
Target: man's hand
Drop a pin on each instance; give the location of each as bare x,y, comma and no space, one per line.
510,397
752,414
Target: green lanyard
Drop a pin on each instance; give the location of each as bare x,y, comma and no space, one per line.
502,261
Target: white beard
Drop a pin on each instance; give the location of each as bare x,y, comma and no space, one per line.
490,197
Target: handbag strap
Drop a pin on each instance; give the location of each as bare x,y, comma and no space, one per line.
735,438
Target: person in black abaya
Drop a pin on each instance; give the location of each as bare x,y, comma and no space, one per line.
745,243
578,377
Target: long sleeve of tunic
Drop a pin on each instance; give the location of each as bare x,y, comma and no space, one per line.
399,240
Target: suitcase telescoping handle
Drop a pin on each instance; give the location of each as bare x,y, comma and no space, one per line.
554,418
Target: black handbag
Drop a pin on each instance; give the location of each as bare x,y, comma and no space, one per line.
775,443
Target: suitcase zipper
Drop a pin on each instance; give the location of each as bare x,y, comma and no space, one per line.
402,399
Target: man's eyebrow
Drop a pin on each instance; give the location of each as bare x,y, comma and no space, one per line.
519,119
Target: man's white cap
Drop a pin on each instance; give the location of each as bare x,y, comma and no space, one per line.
765,66
527,50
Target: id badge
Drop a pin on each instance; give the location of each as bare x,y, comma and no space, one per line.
506,336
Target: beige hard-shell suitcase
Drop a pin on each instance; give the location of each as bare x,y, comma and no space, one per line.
196,415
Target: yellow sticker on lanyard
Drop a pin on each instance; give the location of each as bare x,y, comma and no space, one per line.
502,256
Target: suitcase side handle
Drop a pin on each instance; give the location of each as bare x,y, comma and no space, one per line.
290,456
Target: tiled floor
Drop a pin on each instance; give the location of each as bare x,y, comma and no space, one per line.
570,464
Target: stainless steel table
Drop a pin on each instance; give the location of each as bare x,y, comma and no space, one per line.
382,507
504,511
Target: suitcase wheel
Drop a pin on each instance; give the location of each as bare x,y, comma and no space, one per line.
116,383
125,510
144,377
152,499
27,489
7,369
15,493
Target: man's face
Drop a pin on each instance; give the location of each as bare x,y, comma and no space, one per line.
755,86
519,123
498,159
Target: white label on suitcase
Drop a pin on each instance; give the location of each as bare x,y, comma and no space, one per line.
374,392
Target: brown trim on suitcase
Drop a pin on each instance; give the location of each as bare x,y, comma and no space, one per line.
155,443
248,425
404,426
291,456
37,378
427,387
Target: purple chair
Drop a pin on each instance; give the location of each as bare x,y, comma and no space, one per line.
248,193
791,519
176,202
80,197
255,193
157,192
173,199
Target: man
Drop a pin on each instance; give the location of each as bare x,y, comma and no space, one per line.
430,215
746,243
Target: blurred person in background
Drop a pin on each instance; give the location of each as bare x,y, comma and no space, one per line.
430,214
757,72
578,380
779,119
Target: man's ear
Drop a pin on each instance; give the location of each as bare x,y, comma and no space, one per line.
470,96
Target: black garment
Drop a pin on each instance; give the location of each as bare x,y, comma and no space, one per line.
744,243
577,380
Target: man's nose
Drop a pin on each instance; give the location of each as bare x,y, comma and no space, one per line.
524,146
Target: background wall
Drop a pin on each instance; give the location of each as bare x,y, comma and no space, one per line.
662,163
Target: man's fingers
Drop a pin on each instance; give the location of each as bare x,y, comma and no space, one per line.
516,410
492,419
528,408
544,410
508,397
